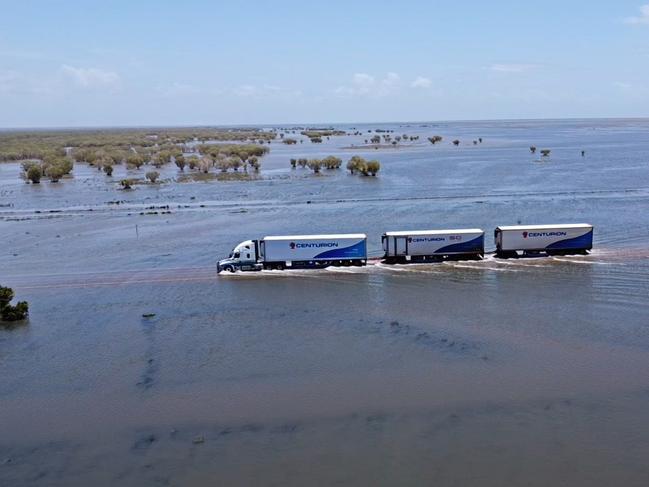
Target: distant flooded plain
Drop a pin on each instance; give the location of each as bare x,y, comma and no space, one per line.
496,372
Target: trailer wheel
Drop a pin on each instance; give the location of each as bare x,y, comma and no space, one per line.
279,267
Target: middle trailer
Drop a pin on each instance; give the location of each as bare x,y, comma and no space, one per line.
433,245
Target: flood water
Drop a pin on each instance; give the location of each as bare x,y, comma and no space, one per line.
496,372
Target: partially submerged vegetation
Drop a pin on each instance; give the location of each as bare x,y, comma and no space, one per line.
9,312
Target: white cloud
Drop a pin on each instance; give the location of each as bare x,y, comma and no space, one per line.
364,84
177,89
622,85
512,68
643,18
91,77
421,82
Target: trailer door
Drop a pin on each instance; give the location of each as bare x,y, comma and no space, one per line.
400,245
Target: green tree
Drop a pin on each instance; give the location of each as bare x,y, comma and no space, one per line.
34,174
55,173
315,165
179,160
373,167
6,295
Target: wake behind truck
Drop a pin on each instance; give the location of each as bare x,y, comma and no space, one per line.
297,252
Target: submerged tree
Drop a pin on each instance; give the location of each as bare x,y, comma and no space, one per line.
152,176
435,139
533,149
456,142
545,152
34,174
315,165
9,312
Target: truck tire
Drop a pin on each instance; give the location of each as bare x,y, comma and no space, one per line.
229,268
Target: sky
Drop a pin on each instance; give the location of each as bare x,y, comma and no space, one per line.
192,62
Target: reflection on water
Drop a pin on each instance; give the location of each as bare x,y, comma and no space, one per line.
495,372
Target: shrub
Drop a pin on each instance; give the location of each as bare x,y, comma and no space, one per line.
253,162
55,173
27,165
108,169
293,163
435,139
316,140
179,160
456,142
127,183
315,165
289,141
135,160
152,176
373,167
332,162
192,162
545,152
532,149
34,174
302,162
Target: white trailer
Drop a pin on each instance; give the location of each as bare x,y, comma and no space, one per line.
297,252
560,239
431,245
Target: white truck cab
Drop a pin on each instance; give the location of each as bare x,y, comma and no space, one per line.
243,257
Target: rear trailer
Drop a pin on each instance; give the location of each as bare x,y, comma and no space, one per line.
313,251
433,245
560,239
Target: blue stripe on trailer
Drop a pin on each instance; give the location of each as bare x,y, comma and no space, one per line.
356,251
584,241
472,246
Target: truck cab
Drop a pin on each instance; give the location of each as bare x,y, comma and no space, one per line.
243,257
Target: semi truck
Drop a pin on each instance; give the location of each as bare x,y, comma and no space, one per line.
297,252
550,239
432,245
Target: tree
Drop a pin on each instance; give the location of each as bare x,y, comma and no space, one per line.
135,160
545,152
332,162
192,161
180,162
108,169
293,163
34,174
6,295
254,163
532,149
435,139
302,162
456,142
55,173
288,141
373,167
376,139
126,183
315,165
9,312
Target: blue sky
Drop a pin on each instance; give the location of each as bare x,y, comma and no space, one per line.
74,63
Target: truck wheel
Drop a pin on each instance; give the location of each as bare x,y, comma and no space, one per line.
229,268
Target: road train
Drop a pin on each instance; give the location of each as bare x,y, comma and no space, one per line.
317,251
